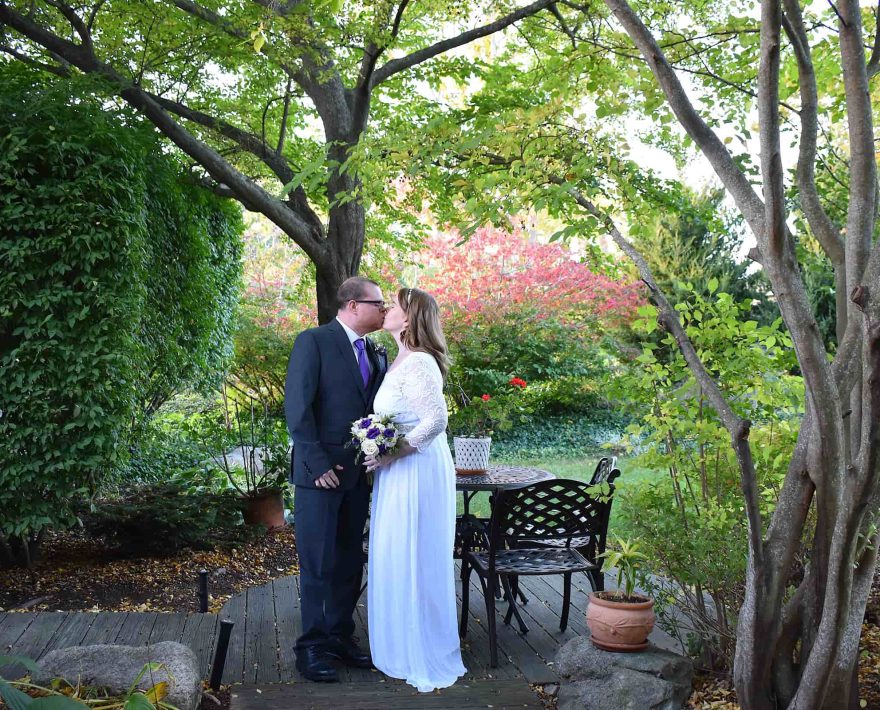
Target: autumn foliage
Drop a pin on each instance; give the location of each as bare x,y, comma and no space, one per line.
513,306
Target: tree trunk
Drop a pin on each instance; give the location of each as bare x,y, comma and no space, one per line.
345,233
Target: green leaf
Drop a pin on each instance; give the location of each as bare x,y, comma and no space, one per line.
15,699
138,701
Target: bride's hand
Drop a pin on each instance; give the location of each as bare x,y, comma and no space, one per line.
374,462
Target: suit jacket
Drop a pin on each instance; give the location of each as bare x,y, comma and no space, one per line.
323,394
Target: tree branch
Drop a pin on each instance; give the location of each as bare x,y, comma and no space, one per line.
748,202
825,230
396,66
373,51
223,24
874,62
93,14
863,167
245,140
775,233
246,191
282,132
74,20
61,70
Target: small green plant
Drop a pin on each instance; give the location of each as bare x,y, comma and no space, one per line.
265,448
627,559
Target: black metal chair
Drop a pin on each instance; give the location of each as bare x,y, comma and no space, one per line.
606,471
523,522
593,546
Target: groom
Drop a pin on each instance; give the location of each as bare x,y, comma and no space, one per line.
332,378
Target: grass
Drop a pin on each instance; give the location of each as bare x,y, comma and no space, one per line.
566,467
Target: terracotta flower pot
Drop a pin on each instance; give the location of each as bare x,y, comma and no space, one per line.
265,508
617,625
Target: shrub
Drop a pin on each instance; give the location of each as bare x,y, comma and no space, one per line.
81,325
515,307
692,524
160,519
192,283
560,437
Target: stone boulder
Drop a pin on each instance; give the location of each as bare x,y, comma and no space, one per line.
593,679
116,667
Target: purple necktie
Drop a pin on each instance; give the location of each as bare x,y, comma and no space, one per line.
362,360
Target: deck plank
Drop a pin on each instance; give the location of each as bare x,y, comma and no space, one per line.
168,627
14,625
136,629
288,625
236,611
200,634
105,628
34,640
261,655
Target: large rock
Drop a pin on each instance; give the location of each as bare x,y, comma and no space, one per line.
116,667
594,679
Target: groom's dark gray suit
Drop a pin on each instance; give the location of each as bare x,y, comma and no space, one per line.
324,394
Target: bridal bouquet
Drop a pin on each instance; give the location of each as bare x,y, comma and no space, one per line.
374,435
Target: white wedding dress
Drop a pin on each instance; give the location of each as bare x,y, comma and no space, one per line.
411,577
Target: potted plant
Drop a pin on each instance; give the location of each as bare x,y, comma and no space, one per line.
473,420
621,620
257,468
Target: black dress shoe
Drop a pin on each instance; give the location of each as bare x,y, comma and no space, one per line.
347,651
311,665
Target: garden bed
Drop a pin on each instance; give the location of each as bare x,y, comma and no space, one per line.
79,573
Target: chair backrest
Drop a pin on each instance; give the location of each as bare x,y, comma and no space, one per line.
606,471
551,511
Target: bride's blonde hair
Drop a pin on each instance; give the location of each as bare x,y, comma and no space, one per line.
423,331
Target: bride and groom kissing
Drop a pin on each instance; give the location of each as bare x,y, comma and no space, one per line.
336,376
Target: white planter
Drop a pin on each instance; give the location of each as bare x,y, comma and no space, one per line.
471,454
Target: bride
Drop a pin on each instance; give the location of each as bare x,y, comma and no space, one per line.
411,591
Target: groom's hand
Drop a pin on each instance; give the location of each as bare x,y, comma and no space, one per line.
329,479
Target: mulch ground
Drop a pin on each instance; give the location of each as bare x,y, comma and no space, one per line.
77,573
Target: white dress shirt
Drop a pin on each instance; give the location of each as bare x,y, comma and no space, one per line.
352,336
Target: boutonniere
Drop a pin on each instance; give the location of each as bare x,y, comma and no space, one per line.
381,351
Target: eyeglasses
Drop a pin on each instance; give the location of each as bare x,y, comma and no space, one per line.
379,304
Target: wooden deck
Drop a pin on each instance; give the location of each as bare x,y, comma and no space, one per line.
267,623
253,658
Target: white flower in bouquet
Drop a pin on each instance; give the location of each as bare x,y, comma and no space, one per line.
370,447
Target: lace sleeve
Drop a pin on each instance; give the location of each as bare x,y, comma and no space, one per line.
422,388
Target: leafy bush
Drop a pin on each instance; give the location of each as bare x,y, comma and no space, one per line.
560,436
192,284
81,322
160,519
692,525
513,307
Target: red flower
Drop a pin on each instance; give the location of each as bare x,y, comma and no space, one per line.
518,382
485,398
